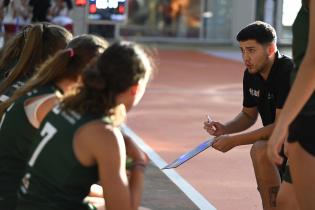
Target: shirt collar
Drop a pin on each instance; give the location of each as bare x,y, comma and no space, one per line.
274,66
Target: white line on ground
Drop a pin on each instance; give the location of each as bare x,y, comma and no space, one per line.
181,183
231,55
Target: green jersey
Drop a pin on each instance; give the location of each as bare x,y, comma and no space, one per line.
9,92
16,135
300,31
55,179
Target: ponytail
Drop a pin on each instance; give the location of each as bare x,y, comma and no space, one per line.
30,53
65,64
10,53
35,51
121,66
42,77
98,100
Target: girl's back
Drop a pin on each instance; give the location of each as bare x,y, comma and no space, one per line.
31,103
60,180
16,134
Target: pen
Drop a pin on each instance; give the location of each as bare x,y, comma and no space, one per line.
209,119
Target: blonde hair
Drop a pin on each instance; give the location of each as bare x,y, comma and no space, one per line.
11,51
66,64
40,41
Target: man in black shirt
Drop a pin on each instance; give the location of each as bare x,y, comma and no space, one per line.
266,84
40,10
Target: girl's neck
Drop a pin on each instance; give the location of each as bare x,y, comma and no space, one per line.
65,84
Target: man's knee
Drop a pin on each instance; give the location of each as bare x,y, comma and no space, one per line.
258,151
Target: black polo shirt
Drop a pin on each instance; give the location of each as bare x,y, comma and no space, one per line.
268,95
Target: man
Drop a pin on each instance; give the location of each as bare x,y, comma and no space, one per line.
265,87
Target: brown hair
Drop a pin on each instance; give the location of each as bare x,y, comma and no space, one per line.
10,52
40,41
121,65
66,64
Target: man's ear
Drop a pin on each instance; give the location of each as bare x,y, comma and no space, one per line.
272,49
134,89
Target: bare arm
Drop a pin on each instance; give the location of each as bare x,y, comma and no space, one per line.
108,151
245,119
226,142
118,192
253,136
302,89
259,134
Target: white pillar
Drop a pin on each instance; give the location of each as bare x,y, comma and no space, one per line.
269,12
243,13
79,16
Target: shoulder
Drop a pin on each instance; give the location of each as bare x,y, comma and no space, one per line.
98,129
285,64
100,138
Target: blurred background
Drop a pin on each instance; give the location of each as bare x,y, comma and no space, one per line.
177,21
200,72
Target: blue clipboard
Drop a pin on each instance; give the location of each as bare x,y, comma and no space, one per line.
190,154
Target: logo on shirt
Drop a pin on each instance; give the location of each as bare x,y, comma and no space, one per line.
253,92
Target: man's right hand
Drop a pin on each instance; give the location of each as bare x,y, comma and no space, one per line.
214,128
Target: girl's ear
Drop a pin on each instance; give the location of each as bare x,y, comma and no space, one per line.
134,89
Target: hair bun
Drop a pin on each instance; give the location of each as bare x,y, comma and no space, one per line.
92,79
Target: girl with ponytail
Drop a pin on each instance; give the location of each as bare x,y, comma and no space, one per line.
37,43
84,130
30,104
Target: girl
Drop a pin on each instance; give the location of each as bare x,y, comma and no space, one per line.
31,103
298,114
83,129
37,42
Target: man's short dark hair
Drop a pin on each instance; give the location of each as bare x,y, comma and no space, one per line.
260,31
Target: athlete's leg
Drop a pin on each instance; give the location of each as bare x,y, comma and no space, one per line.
267,175
286,199
302,165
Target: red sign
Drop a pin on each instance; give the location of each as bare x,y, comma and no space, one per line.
80,2
92,9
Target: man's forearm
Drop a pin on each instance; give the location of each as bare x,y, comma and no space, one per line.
253,136
240,123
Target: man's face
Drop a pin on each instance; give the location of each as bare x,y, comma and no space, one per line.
255,55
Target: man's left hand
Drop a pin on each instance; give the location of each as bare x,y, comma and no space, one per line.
224,143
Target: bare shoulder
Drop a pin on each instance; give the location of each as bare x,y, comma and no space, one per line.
99,138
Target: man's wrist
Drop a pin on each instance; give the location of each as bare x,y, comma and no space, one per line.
236,140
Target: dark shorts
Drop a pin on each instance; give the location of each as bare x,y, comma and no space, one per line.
282,167
302,130
287,175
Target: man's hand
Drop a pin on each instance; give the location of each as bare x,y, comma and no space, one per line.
214,128
224,143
